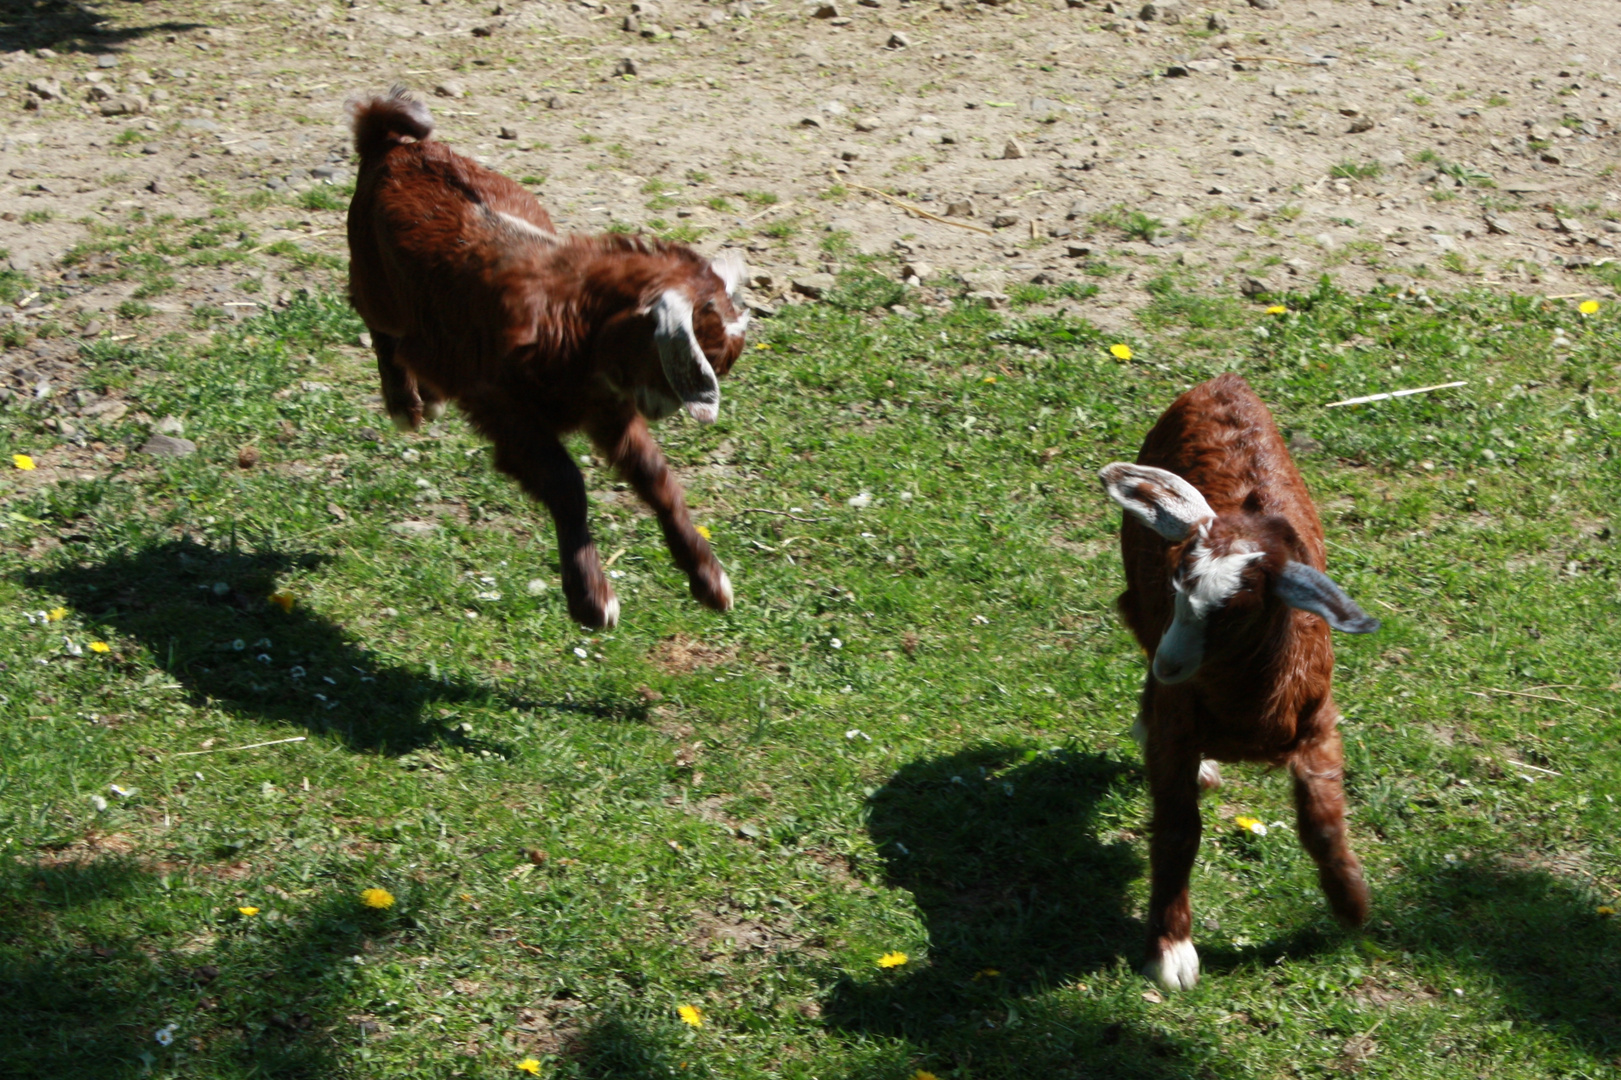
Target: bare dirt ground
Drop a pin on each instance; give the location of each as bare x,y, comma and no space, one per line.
1461,143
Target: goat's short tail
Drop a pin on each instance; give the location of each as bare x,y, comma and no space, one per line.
380,122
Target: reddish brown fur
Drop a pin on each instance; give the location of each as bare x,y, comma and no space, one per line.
534,335
1262,692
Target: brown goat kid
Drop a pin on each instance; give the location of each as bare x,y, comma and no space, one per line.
471,295
1225,589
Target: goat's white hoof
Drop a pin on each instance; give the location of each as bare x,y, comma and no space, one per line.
610,613
1209,774
1176,967
432,410
725,592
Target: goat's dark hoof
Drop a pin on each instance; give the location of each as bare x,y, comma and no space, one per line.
713,590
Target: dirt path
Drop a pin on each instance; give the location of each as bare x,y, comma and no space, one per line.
1462,142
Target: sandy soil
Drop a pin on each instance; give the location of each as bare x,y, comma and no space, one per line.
1475,142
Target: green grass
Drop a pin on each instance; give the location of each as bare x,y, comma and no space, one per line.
1354,170
909,735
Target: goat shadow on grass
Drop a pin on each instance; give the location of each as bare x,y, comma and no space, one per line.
207,619
67,26
88,978
1534,934
1001,848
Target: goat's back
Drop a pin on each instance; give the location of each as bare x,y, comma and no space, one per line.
435,240
1221,438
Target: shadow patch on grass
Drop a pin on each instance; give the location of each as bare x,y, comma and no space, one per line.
70,27
261,998
1000,847
206,618
1535,935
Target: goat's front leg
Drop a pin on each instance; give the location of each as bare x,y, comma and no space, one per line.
1320,816
1173,780
626,442
542,465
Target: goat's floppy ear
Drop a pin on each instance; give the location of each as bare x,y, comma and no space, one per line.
1159,499
685,365
1300,586
728,266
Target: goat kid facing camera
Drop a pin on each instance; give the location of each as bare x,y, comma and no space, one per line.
1226,590
472,296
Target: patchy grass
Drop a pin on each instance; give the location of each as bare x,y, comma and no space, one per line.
907,738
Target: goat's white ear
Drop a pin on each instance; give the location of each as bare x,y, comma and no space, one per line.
728,266
1158,498
685,365
1301,586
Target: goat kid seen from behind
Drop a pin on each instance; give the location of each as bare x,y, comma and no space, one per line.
1226,590
472,296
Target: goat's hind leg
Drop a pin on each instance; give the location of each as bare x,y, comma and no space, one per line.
629,445
408,402
1320,817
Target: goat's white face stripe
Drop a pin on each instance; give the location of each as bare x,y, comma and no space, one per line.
736,327
1215,579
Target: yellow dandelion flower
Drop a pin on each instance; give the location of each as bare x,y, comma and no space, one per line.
100,646
1277,309
23,462
986,973
283,600
56,614
377,898
691,1015
703,531
1588,307
924,1074
989,379
528,1065
1605,909
892,959
1120,352
247,912
763,347
1251,825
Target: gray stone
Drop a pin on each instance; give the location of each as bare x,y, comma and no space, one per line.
168,446
509,132
1254,286
1013,150
814,286
1360,124
920,270
1004,221
996,301
1160,11
413,528
868,123
451,88
1264,5
106,60
626,66
199,123
826,11
46,89
169,425
960,208
1217,22
898,40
